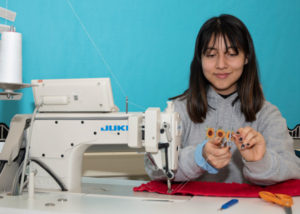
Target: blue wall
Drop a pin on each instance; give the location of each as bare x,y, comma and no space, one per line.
148,45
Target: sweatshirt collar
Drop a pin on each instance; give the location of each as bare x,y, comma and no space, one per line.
214,99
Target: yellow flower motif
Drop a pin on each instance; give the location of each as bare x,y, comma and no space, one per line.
220,133
228,135
210,133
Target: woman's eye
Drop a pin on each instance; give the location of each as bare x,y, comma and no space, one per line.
210,55
232,54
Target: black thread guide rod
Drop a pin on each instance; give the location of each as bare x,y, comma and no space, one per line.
169,174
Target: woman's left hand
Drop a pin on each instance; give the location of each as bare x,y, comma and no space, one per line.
250,143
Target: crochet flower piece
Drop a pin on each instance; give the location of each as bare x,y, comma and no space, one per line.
220,133
228,137
210,133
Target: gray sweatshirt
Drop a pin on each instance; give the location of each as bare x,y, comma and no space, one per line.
278,164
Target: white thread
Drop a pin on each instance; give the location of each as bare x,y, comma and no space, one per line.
6,11
138,106
181,185
95,46
99,53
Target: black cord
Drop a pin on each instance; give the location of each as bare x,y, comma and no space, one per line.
61,185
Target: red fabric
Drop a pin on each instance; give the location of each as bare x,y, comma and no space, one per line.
290,187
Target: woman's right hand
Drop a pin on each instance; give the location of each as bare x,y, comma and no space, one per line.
217,156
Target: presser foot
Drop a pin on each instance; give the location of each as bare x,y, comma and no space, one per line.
169,186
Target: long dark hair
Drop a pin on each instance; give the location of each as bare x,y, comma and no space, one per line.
248,86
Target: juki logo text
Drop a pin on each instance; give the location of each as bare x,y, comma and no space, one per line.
114,128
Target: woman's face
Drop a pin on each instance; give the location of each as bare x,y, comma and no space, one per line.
221,67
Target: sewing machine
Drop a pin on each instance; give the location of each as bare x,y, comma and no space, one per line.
74,114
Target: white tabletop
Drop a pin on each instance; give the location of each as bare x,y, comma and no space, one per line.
115,197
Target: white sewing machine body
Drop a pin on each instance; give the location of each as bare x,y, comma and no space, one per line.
74,114
59,141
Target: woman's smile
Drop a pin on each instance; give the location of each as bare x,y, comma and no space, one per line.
222,75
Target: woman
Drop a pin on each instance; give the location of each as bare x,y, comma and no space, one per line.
230,133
